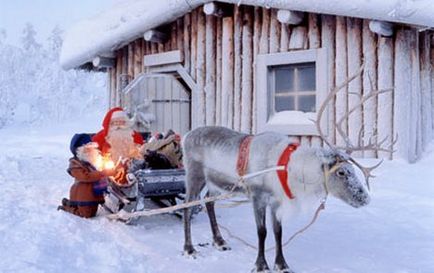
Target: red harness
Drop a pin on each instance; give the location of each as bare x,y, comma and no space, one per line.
283,174
243,156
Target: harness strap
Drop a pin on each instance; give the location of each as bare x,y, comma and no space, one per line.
243,155
283,174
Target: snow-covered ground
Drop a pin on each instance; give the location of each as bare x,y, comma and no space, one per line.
395,233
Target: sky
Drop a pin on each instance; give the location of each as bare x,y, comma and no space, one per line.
45,15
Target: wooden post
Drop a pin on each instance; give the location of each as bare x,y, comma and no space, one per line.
425,51
200,71
238,22
314,42
285,33
341,76
130,61
219,30
103,62
290,17
265,32
274,33
385,101
415,113
298,38
354,49
210,63
227,72
247,72
138,57
369,49
313,32
193,44
186,42
432,84
256,50
402,99
156,36
328,28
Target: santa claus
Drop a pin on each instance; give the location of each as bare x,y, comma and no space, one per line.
117,138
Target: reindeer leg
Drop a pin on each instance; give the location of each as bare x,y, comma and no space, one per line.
280,263
219,242
195,181
260,209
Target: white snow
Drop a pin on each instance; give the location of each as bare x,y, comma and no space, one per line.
292,117
128,20
392,234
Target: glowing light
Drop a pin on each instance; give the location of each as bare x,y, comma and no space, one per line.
109,164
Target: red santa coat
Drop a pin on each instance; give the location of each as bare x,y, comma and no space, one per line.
100,137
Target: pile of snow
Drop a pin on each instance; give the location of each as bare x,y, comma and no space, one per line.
127,20
392,234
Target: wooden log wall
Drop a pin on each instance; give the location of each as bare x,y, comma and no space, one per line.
220,55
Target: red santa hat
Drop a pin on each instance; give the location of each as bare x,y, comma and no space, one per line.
99,138
119,115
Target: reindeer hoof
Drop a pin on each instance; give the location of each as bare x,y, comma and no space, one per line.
190,252
221,247
255,270
282,269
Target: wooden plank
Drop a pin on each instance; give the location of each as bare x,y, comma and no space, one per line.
180,37
415,113
341,76
285,33
314,42
426,88
186,42
219,29
265,32
402,93
227,72
210,64
170,57
130,61
314,31
274,32
193,45
167,106
385,101
247,71
256,50
137,58
200,69
369,49
328,40
237,67
354,49
298,38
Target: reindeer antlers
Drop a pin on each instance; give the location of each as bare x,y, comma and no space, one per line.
349,148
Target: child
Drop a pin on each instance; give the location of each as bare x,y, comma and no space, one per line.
87,192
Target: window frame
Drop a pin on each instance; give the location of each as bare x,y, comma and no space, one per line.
264,88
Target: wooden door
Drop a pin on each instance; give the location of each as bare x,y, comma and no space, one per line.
164,97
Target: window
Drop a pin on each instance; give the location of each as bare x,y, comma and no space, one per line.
291,86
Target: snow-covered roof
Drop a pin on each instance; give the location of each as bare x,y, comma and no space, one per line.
129,19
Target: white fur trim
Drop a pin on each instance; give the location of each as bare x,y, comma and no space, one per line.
119,115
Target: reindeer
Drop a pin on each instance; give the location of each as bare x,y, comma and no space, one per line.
211,156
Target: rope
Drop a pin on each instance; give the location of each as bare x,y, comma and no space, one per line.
124,215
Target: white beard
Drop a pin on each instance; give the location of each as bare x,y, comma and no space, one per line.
122,143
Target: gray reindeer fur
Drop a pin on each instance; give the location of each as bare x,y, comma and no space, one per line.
210,156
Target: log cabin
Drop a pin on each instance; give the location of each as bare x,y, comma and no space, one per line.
256,65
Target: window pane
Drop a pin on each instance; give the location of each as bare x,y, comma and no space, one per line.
283,103
284,77
306,103
306,77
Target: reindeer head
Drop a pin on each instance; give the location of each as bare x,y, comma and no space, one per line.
340,176
340,179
